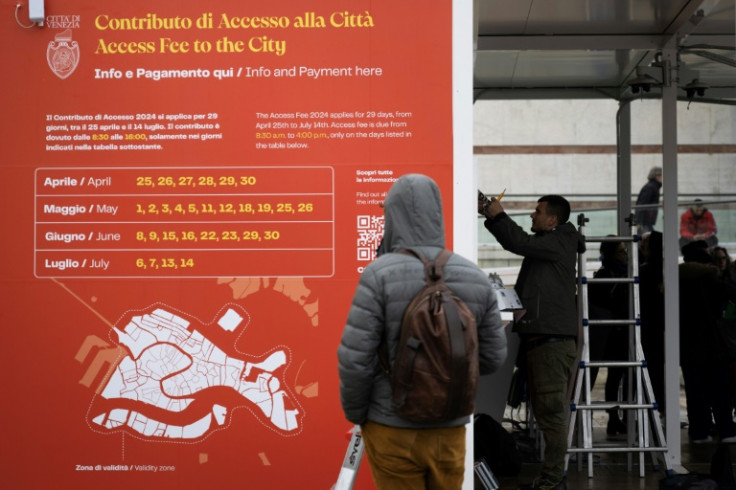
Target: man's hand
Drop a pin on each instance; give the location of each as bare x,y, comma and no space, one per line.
494,208
489,208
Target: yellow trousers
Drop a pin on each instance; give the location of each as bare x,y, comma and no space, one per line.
415,459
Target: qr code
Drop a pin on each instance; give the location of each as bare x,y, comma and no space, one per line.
370,233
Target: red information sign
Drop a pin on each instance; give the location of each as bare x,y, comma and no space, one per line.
188,195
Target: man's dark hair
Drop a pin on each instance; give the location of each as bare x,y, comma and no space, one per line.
557,206
697,251
608,249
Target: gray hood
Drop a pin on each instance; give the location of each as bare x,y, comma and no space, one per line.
413,211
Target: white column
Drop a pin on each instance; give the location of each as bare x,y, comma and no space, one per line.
465,216
671,253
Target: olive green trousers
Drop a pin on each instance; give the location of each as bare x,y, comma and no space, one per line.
548,371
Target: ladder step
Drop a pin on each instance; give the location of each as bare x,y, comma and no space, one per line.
608,449
614,406
612,280
625,238
610,322
584,364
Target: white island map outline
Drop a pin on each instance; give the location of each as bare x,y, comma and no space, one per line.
168,365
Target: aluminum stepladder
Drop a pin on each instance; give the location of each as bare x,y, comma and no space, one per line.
641,407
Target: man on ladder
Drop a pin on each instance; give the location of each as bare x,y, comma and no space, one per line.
546,286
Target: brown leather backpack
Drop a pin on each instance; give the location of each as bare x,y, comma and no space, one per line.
435,372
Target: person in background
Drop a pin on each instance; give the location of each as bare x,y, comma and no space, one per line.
648,201
727,273
706,370
724,264
610,301
651,293
697,223
404,453
546,286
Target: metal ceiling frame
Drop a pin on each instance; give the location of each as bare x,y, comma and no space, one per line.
681,29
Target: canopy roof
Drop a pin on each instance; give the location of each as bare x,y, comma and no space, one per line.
529,49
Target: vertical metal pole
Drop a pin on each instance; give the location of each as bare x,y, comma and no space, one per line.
671,251
623,210
623,167
587,415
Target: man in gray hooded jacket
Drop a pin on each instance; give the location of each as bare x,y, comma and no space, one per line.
402,453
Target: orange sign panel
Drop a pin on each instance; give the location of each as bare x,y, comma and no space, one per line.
189,193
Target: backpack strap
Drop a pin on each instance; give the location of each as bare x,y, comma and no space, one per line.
455,328
433,269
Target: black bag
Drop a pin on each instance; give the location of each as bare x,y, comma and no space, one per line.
435,372
518,388
727,335
726,330
494,444
690,481
721,468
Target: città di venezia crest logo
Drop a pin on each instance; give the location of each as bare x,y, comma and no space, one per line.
62,54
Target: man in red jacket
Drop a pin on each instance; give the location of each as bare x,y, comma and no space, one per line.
697,223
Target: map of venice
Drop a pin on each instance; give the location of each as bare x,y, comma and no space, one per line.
169,366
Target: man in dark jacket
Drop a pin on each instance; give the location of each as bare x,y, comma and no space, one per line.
647,201
546,286
706,369
404,453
